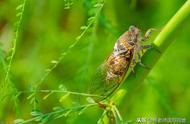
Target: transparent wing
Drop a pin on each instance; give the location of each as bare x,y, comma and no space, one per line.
101,86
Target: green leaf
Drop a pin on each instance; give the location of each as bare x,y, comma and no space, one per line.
30,96
45,119
90,19
33,100
82,110
62,87
39,118
67,7
54,61
71,46
90,100
57,108
78,37
19,6
98,5
68,112
64,96
48,70
19,121
18,14
64,53
36,113
64,114
83,27
45,97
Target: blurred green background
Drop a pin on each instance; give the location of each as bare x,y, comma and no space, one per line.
47,30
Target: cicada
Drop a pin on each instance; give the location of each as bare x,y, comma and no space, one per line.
126,53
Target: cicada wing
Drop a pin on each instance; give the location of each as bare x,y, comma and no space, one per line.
100,85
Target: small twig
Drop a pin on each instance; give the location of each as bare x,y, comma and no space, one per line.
60,91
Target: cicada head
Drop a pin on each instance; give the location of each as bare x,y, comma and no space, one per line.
127,40
134,35
134,30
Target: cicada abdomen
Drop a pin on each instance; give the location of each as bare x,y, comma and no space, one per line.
113,70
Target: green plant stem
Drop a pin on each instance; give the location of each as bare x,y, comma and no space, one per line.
161,43
14,43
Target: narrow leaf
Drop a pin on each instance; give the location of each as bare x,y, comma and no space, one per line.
63,97
82,110
83,27
57,108
54,61
62,87
45,97
19,121
90,100
19,7
36,113
48,70
30,96
18,14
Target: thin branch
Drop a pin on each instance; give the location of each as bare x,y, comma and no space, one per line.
60,91
14,43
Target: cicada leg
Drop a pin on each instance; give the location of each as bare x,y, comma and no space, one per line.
140,62
132,65
146,37
133,62
144,47
148,33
